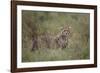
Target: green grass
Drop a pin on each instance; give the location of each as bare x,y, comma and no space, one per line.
53,55
38,22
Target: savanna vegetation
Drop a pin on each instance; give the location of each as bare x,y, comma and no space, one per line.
40,27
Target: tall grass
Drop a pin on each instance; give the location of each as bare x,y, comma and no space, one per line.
54,55
36,23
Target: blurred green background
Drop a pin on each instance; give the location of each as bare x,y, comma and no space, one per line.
36,23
